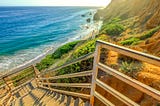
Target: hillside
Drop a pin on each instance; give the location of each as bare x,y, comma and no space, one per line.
147,11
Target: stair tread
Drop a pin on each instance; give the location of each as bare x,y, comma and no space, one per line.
40,97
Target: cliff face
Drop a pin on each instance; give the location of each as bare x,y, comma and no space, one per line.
147,11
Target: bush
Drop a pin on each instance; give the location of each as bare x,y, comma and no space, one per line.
130,41
114,20
45,63
64,49
51,59
149,33
130,67
114,29
87,47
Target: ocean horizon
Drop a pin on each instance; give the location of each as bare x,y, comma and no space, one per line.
28,32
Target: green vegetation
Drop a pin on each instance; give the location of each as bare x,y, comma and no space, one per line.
149,33
113,27
130,41
23,76
45,63
114,20
51,59
130,67
1,83
85,48
64,49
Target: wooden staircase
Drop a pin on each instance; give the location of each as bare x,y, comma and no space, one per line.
42,91
42,97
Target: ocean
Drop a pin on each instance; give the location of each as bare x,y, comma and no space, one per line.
28,32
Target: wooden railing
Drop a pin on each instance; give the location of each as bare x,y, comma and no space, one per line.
46,82
8,88
43,81
124,78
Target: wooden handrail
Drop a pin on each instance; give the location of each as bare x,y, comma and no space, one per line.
116,94
103,99
134,83
131,53
78,85
13,72
20,86
87,56
79,74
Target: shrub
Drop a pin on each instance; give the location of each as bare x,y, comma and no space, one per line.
130,41
149,33
51,59
130,67
64,49
45,63
114,20
87,47
114,29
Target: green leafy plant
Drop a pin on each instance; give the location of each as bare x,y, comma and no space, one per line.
149,33
45,63
130,41
112,27
64,49
51,59
131,67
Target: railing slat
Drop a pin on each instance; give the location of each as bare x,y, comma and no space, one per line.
134,83
131,53
116,94
16,88
87,56
79,74
79,85
102,99
80,95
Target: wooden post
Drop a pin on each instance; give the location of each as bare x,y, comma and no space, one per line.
36,71
9,88
95,72
5,81
49,86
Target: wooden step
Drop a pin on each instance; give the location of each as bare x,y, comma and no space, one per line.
41,97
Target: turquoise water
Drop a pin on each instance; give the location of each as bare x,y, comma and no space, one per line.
27,32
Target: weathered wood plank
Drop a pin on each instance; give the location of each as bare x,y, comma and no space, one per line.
131,53
116,94
79,74
79,85
134,83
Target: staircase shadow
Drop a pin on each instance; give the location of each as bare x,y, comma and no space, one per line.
68,101
62,99
38,101
21,102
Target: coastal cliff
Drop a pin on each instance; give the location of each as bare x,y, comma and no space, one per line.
147,11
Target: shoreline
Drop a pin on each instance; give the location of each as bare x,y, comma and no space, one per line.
37,59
